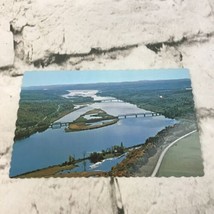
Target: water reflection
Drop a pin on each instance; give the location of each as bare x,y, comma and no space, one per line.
104,166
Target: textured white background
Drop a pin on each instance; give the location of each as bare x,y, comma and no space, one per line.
106,34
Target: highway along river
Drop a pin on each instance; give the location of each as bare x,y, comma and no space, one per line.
54,146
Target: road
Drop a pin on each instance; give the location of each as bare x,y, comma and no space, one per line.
157,167
58,107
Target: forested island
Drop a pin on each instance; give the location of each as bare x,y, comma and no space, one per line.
93,119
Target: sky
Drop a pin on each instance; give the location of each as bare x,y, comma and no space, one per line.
44,78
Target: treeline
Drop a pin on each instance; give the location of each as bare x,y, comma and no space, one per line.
36,116
171,103
71,160
114,151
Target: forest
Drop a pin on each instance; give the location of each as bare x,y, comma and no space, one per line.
173,99
39,108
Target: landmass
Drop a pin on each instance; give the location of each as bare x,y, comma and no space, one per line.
92,119
142,161
38,109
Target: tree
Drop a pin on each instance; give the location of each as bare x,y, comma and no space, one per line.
71,159
96,157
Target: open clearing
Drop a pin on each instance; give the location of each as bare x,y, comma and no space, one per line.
183,158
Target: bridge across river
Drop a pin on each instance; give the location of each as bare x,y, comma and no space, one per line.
145,114
58,125
110,100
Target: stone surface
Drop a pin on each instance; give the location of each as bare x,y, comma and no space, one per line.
96,34
6,45
44,29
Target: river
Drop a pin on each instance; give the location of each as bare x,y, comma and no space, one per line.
54,146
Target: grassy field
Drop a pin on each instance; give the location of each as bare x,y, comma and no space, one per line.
183,158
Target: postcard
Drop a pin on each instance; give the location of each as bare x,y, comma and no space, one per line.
129,123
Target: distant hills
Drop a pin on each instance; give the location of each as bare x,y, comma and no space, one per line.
144,85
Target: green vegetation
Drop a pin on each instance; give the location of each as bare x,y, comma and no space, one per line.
96,157
114,151
71,161
172,104
39,108
172,100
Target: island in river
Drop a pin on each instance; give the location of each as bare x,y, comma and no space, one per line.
93,119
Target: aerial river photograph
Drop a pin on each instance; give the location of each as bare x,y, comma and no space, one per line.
126,123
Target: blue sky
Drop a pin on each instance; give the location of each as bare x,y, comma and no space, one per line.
41,78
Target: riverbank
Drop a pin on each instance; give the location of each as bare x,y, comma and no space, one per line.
41,126
142,160
58,170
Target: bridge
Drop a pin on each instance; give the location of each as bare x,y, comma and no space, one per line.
110,100
146,114
58,125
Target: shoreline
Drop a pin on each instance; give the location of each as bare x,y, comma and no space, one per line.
55,169
34,131
83,127
142,161
143,151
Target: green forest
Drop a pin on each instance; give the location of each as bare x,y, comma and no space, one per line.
39,108
170,103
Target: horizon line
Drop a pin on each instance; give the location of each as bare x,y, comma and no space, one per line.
92,83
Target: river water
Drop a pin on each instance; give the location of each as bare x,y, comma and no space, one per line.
54,146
